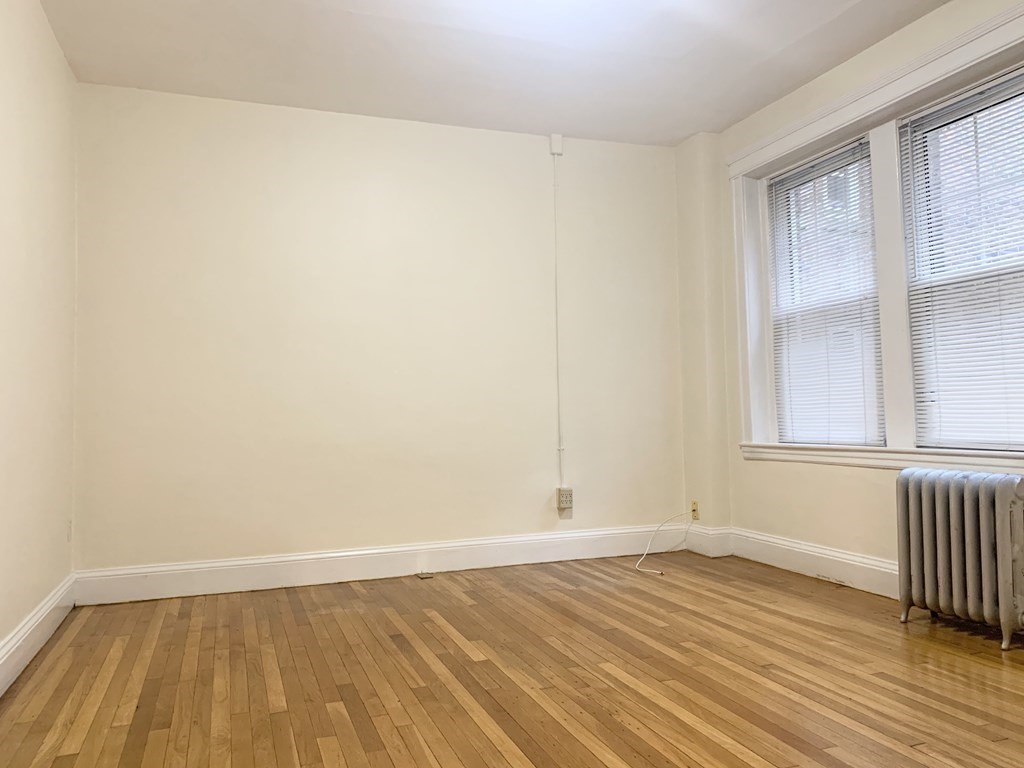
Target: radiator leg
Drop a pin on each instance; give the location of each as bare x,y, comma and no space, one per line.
1007,638
935,615
905,605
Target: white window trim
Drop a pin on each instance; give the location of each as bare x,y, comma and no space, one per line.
893,300
885,458
978,54
993,45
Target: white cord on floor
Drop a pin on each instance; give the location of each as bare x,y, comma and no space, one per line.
650,541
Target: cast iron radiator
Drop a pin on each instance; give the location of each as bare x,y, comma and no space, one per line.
961,546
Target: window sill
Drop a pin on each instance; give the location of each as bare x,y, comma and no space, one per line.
886,458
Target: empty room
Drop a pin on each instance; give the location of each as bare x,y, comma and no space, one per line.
511,383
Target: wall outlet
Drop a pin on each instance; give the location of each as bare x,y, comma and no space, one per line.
694,510
564,498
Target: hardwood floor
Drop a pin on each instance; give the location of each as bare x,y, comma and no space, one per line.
718,663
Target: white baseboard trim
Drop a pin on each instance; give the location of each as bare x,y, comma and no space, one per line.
149,582
711,542
870,574
19,647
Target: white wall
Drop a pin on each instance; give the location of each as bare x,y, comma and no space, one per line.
303,331
36,310
851,509
700,217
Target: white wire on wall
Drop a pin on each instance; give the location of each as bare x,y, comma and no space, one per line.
556,153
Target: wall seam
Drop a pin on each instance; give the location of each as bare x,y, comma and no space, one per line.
74,512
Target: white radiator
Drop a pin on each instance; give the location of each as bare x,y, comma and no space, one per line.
961,546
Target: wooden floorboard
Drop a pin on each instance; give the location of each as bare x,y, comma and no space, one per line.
717,663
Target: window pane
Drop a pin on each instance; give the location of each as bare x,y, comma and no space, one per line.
827,352
964,210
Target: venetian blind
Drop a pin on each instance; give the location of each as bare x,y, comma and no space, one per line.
963,178
824,303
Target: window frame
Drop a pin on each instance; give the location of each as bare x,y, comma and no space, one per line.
752,220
